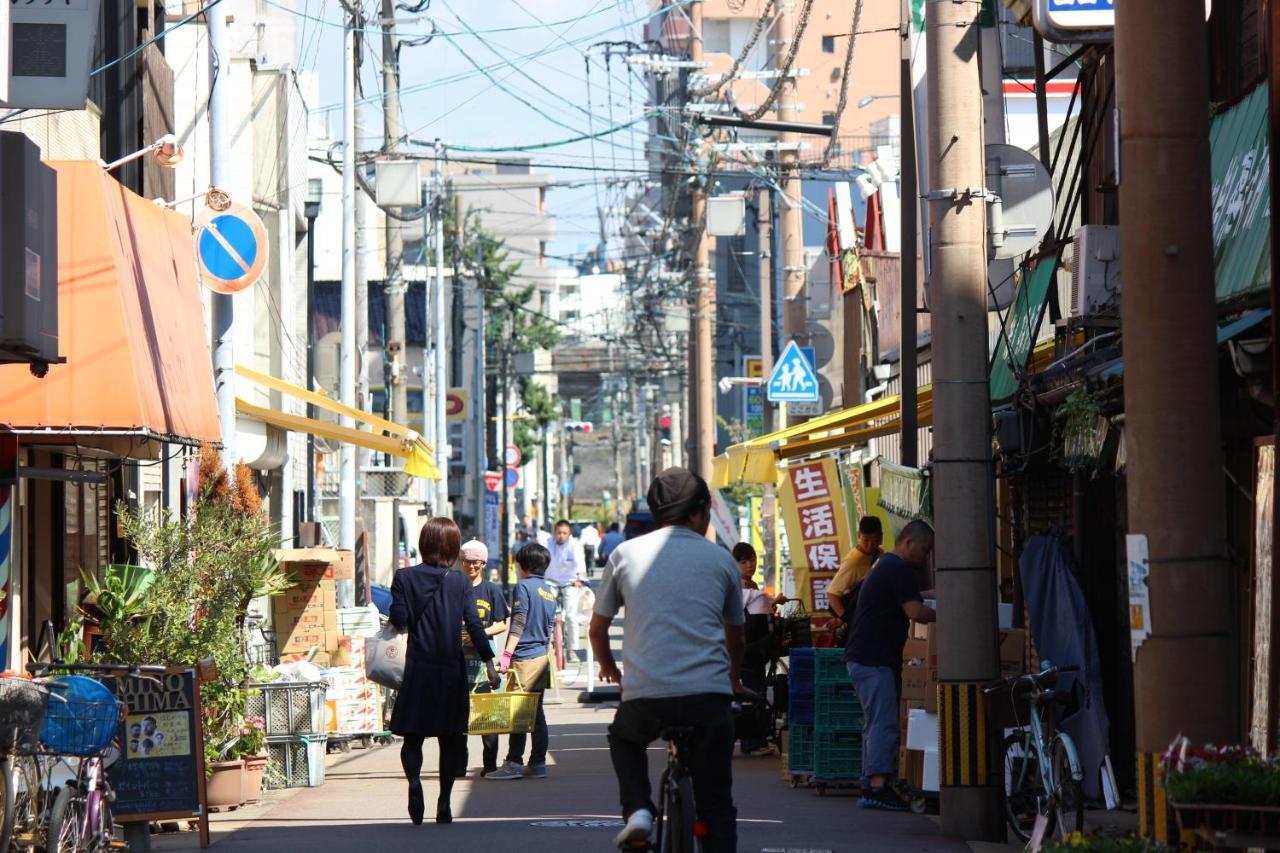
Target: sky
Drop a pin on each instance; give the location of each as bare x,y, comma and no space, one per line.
501,73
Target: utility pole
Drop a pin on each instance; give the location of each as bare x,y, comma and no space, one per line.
224,358
480,411
442,384
764,228
1185,671
702,385
504,526
909,211
393,238
966,576
794,308
347,374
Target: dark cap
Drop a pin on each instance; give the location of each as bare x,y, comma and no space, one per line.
676,494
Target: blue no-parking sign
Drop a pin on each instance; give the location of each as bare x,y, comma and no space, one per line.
231,245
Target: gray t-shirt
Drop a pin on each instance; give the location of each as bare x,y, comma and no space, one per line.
679,591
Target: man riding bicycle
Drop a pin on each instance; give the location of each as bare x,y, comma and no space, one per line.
681,594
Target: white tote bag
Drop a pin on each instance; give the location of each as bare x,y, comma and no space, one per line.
384,655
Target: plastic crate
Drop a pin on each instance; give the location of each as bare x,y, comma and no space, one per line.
829,667
800,695
837,756
800,749
836,708
288,708
294,761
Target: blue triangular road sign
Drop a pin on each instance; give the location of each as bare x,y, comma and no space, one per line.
793,379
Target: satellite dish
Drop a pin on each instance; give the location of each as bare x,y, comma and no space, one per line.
1020,215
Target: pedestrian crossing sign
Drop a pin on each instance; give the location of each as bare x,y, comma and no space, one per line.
793,379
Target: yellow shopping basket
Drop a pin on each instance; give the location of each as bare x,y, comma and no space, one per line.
503,712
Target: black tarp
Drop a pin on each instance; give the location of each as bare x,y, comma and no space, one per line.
1063,634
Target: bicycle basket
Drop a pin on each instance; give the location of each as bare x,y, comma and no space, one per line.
22,712
82,719
502,712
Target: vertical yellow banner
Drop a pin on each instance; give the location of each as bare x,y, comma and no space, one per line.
813,508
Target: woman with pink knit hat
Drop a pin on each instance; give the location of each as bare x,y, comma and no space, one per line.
492,608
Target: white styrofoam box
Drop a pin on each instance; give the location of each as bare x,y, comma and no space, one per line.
358,621
931,776
922,730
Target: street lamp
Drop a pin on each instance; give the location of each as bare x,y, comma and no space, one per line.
866,100
167,151
311,210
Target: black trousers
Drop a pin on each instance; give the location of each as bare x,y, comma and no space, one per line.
639,722
453,749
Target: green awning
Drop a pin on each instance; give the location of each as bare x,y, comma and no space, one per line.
1241,197
1021,325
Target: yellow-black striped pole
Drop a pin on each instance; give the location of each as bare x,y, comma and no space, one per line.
963,745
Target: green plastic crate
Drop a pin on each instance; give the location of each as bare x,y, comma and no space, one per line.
836,708
829,667
837,756
800,749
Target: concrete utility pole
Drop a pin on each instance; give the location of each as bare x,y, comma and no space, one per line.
794,308
1185,672
702,376
393,239
907,261
224,358
764,222
347,374
479,409
441,361
966,576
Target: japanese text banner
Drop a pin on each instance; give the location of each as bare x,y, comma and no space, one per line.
814,509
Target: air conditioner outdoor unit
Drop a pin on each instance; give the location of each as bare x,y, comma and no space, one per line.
1095,270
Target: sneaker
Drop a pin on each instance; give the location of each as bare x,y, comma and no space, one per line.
536,771
883,798
637,832
507,772
485,771
761,751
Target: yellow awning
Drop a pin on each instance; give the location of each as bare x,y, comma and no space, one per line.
419,464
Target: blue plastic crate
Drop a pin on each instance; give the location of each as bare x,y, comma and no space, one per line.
800,666
837,756
829,667
800,687
800,749
801,711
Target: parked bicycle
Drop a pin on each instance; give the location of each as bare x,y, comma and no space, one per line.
1042,772
65,801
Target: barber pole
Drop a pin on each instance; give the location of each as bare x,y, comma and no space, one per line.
6,543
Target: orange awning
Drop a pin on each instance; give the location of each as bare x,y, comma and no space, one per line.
130,322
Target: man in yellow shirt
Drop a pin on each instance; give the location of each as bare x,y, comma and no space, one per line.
855,566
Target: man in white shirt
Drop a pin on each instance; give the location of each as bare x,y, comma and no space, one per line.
566,562
682,653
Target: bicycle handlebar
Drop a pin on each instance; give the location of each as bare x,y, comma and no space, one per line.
136,670
1031,679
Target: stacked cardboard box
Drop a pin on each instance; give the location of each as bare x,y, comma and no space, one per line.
353,702
306,615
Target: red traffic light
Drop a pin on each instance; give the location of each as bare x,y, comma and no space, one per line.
665,422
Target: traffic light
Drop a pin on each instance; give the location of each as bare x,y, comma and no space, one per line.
664,427
578,426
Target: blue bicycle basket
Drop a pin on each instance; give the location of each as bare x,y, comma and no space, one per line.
82,717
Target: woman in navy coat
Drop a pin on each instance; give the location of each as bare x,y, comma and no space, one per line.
431,602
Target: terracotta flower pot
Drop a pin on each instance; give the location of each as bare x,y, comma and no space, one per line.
225,789
254,765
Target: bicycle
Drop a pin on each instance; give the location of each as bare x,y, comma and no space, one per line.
1042,772
82,726
676,828
23,703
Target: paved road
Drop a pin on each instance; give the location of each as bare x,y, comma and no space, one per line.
362,806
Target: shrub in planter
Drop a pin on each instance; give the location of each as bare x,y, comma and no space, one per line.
1223,788
1078,842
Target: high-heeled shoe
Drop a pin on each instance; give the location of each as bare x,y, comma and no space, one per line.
416,806
443,813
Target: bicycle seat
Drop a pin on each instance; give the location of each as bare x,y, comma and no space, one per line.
673,733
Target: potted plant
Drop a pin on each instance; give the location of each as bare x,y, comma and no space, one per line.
1223,789
1078,842
251,746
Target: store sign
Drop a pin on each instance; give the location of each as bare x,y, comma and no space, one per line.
160,772
1080,20
47,49
1139,593
817,522
753,399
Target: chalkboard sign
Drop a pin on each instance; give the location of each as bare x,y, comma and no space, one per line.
160,772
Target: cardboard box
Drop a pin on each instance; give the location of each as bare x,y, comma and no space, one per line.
917,686
911,767
288,623
916,649
301,640
312,595
317,563
1013,647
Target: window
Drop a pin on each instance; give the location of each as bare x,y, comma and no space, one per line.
735,251
829,119
828,44
716,35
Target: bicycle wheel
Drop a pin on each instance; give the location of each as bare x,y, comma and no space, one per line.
8,783
678,817
66,822
1068,798
26,801
1023,786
